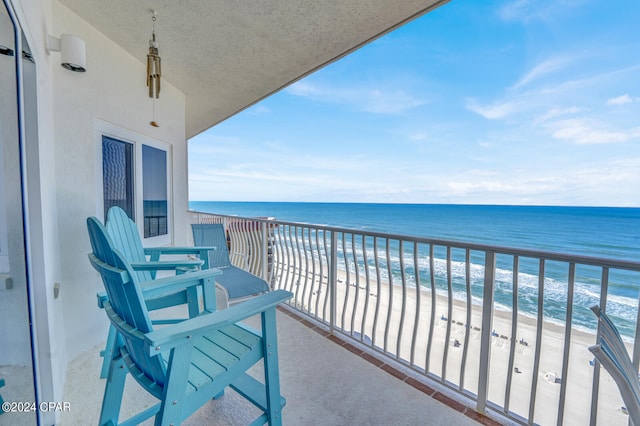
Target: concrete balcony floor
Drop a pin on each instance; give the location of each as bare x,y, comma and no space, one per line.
324,383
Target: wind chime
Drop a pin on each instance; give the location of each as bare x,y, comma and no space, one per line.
154,70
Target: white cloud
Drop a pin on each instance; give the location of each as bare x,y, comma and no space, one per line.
606,182
304,89
542,69
483,172
593,82
519,10
583,131
495,186
542,103
529,10
557,112
370,99
609,183
495,111
620,100
418,136
258,109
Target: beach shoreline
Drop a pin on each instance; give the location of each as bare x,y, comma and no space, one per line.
362,304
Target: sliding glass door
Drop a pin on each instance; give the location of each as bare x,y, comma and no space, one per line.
16,354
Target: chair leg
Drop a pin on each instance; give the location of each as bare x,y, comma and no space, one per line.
107,353
113,391
1,400
192,295
192,302
173,397
271,368
209,295
155,256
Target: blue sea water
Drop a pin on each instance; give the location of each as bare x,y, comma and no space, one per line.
603,232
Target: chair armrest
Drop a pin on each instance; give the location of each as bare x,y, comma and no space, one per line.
177,250
169,285
181,333
166,265
202,252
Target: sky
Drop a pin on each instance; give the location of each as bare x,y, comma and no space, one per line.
522,102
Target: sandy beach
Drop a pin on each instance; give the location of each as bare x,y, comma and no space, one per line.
361,304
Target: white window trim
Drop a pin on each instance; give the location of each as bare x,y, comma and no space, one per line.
103,128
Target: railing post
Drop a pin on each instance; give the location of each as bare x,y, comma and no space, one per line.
264,250
485,337
333,279
595,387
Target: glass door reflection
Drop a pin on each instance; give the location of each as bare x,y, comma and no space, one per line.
16,367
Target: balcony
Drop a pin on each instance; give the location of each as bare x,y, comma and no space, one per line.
364,342
324,383
503,331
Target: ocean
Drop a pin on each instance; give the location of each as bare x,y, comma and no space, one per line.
604,232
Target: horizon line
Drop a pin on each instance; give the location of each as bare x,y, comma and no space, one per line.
419,204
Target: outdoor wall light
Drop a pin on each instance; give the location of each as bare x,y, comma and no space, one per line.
73,55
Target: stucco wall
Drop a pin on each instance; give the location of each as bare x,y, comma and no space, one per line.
112,90
63,164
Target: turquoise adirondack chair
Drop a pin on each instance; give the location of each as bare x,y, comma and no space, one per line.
237,282
1,400
125,238
186,364
124,234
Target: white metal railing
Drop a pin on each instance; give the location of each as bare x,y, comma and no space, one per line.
505,329
247,241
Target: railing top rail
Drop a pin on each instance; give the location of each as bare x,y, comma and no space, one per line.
538,254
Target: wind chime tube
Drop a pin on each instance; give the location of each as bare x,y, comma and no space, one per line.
149,76
154,70
154,73
159,73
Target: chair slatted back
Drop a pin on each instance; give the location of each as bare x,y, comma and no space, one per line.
611,336
612,353
126,238
212,235
128,312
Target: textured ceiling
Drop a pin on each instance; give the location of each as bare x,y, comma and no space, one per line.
227,55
